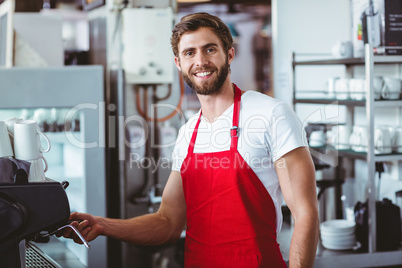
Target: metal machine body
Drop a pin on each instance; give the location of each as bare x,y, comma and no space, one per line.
25,210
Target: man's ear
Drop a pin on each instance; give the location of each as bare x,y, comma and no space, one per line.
177,62
231,55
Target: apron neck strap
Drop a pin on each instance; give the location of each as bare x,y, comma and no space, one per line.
234,130
194,136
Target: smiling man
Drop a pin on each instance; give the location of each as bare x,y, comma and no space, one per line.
234,162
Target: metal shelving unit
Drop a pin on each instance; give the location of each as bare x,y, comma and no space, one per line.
370,104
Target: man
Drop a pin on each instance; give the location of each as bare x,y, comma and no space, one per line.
233,161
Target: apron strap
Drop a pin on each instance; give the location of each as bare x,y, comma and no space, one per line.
234,130
194,136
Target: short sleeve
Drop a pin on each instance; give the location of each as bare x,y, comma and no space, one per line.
286,131
179,152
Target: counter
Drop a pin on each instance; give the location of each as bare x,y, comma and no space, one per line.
341,258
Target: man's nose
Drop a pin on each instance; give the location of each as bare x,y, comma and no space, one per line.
201,59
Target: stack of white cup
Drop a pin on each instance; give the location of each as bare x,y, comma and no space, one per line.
384,87
25,136
6,149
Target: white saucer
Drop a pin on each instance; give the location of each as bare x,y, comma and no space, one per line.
337,226
342,234
338,247
336,243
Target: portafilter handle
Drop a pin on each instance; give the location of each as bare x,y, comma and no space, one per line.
75,231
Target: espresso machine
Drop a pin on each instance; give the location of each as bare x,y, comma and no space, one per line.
29,211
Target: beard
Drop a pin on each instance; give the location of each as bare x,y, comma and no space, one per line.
210,87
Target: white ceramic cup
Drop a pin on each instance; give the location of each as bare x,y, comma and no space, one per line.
5,144
378,83
331,94
382,140
391,88
397,140
359,139
342,88
10,127
342,49
27,143
340,137
37,170
357,88
10,123
317,138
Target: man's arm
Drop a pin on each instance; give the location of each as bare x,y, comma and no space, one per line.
161,227
296,175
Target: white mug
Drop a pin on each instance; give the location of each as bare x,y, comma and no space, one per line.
10,127
377,86
382,140
5,144
342,88
391,88
317,138
359,139
342,49
340,137
27,144
357,88
37,171
10,123
397,140
331,94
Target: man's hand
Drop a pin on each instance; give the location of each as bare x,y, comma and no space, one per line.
86,224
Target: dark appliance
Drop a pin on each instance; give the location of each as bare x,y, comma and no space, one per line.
26,209
393,27
388,225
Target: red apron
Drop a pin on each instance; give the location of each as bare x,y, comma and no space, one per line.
231,219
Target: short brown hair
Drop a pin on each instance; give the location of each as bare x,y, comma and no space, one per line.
193,22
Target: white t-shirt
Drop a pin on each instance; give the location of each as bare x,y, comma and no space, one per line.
268,129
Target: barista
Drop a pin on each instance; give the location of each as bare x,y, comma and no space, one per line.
233,161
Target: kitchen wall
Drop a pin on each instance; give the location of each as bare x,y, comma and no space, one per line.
308,26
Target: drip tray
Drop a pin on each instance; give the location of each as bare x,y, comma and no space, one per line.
36,258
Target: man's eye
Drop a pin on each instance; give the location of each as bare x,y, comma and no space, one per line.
210,50
188,53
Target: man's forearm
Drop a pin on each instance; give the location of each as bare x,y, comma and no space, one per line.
150,229
303,246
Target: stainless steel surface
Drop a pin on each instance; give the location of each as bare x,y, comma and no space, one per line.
86,244
57,251
36,258
370,149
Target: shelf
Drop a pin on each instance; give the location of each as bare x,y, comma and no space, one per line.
330,101
363,156
353,259
350,61
351,103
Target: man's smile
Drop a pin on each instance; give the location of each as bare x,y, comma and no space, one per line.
203,74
